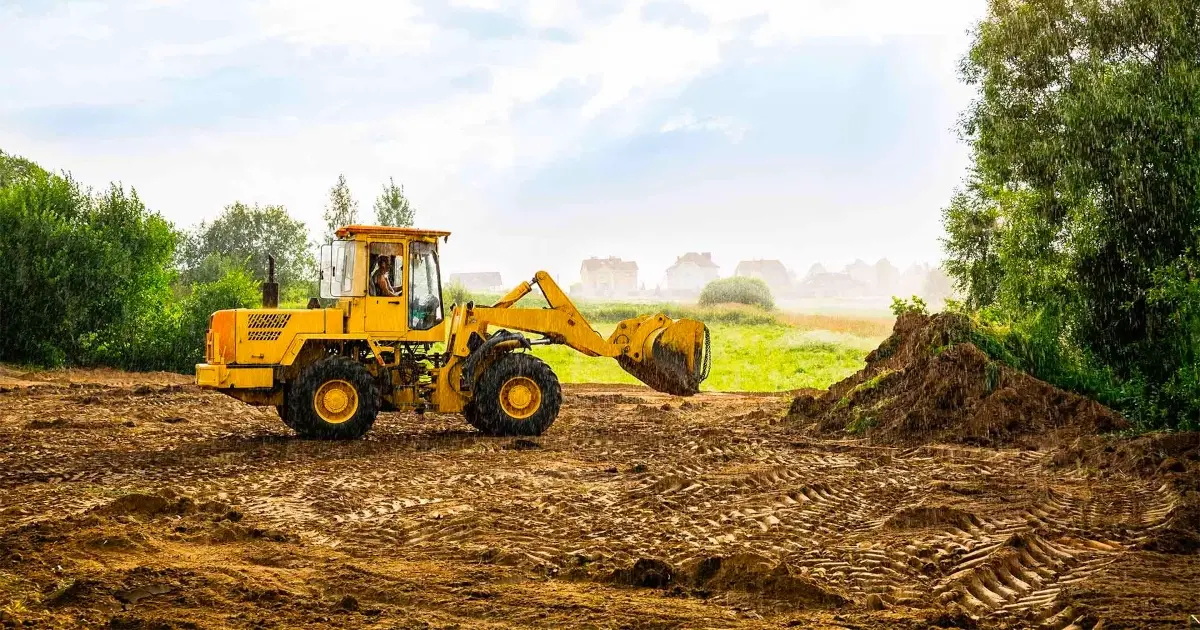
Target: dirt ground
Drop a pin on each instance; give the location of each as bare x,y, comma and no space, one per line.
138,501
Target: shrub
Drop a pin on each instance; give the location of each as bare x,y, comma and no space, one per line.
901,306
1038,346
737,314
82,267
236,289
170,334
297,294
456,293
738,290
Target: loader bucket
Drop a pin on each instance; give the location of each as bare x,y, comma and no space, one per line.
671,357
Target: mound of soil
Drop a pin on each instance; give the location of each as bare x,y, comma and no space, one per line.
744,573
928,383
645,573
750,573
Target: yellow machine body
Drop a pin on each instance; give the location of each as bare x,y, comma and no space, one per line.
422,355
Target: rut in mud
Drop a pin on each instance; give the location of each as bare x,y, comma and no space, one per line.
136,504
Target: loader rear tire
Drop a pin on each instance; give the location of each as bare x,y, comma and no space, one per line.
518,394
333,399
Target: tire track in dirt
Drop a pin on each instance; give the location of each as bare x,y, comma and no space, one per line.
618,478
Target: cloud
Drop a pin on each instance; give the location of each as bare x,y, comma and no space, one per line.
671,13
723,125
201,102
477,80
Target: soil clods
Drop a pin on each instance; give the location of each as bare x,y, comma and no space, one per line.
928,383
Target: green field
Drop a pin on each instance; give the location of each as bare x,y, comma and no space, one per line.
758,357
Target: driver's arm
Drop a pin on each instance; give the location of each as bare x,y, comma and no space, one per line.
387,286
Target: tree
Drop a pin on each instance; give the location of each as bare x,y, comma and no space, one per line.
243,237
81,267
14,168
392,207
342,209
1086,186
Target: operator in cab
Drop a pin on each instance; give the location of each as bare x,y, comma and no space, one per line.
381,279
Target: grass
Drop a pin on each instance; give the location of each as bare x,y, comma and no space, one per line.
873,382
861,424
760,357
868,326
753,349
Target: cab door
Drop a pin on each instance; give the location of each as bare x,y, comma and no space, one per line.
424,291
386,314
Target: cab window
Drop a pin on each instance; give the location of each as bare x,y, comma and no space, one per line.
425,287
386,263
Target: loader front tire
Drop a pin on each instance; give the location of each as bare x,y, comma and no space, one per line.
333,399
518,394
282,410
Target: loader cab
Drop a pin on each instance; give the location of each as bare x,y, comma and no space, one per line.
365,262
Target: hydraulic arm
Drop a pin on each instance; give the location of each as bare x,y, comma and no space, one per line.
670,356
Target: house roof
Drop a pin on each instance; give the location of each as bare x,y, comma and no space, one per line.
761,266
700,260
612,262
839,280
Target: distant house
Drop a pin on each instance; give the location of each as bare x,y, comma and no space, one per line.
887,277
831,285
486,281
938,287
608,277
912,280
691,272
770,271
862,273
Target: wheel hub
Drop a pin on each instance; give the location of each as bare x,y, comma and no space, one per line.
336,401
520,397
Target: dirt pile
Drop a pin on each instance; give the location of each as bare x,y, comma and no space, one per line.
71,566
744,574
928,383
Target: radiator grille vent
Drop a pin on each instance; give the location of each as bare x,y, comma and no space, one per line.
275,321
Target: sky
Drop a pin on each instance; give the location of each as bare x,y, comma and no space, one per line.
539,132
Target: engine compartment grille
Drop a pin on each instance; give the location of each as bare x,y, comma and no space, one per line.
259,321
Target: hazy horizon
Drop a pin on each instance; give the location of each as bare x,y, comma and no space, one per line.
539,135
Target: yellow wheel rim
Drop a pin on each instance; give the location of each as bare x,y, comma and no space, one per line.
520,397
336,401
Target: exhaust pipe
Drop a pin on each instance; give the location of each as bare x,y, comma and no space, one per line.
270,288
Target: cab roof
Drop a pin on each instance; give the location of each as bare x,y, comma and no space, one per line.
386,230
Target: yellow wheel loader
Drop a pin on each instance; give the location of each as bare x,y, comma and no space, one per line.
388,343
